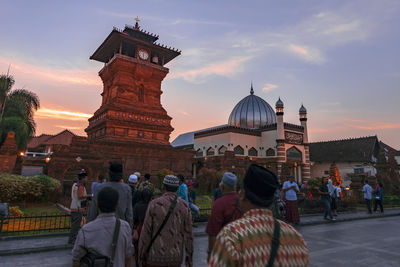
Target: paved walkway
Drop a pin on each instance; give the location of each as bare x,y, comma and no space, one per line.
42,243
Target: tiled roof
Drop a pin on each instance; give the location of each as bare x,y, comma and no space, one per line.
38,140
387,147
62,138
346,150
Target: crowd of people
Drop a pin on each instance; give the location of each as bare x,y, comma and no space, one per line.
128,225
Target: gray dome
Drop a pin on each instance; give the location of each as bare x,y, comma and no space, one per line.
302,110
279,103
252,112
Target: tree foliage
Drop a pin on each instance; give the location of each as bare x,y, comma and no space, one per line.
17,108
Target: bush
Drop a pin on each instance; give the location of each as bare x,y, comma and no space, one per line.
17,188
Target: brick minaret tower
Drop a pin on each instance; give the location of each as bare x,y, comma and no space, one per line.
131,107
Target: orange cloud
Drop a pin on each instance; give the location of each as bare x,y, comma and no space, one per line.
269,86
71,76
62,114
225,68
309,54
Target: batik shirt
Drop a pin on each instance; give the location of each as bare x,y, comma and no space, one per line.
247,242
167,249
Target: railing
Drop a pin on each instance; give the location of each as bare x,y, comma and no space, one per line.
43,223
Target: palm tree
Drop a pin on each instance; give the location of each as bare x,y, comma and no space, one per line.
16,111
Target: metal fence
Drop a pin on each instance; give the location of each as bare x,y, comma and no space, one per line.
44,223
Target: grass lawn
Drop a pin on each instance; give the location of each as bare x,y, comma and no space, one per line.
43,223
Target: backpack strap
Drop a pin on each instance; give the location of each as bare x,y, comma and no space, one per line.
115,240
275,243
171,208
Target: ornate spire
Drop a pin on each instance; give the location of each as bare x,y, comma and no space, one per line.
137,22
251,88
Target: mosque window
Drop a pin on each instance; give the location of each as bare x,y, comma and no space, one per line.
210,152
199,153
221,150
253,152
270,152
238,150
358,170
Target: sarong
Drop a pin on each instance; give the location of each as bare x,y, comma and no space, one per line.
292,213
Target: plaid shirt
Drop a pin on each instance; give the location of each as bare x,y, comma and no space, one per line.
247,242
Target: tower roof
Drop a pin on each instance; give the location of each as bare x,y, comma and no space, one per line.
130,37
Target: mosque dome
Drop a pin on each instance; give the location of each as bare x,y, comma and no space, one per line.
302,110
252,112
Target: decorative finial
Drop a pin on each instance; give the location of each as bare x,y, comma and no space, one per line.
137,22
251,88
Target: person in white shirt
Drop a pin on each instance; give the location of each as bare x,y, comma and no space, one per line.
291,189
367,189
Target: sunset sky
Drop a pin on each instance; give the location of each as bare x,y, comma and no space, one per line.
339,58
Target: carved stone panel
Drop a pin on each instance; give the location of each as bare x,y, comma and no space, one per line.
293,138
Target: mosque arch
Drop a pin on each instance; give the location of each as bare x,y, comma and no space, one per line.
270,152
222,150
253,152
199,153
238,150
294,154
210,152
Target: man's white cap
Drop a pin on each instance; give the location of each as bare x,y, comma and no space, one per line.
133,179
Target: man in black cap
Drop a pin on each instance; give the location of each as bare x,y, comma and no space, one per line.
255,239
124,208
78,205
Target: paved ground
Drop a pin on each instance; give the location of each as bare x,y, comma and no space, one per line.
373,242
354,243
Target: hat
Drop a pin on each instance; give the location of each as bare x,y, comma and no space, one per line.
260,185
133,179
171,180
137,174
82,174
189,183
229,179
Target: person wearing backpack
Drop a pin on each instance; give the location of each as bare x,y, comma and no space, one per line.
107,239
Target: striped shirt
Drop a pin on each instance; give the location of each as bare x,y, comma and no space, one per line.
247,242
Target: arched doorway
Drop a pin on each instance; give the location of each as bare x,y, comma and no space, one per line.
294,159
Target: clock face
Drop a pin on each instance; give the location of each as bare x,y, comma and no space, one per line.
143,54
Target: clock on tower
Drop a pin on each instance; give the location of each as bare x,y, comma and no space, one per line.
131,107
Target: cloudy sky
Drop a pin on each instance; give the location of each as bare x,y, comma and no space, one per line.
339,58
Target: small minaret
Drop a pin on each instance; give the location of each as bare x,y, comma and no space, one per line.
280,140
306,166
303,121
279,120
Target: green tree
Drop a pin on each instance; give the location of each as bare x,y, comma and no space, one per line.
16,111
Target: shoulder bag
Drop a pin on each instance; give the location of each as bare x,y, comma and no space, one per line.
275,243
93,259
171,208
